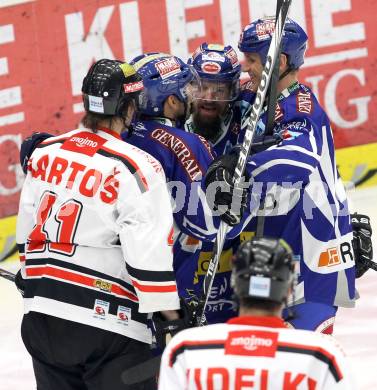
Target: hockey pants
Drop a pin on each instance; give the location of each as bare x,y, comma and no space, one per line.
72,356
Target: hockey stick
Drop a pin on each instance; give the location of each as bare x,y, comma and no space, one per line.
7,275
256,109
272,88
146,370
371,264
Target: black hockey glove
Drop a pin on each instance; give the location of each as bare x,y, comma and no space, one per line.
165,329
20,283
221,193
362,244
28,145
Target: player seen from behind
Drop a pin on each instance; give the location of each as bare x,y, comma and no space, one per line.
255,349
87,208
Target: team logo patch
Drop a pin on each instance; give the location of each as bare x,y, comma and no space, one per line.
84,142
251,343
213,56
304,103
211,67
168,67
96,104
133,87
123,315
329,258
101,309
265,29
232,55
259,286
102,285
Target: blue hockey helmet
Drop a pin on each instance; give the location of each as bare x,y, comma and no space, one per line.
256,38
218,64
163,75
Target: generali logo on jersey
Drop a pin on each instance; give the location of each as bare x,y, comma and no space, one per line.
84,142
251,343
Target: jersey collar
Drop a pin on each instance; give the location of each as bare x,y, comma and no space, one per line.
110,132
163,121
287,91
270,322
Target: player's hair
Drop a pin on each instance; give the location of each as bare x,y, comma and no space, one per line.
91,120
261,304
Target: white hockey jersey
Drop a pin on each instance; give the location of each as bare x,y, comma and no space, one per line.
94,232
253,353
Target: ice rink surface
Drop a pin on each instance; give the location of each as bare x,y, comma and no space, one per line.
355,329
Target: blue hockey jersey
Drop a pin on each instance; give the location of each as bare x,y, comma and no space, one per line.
298,195
185,158
194,255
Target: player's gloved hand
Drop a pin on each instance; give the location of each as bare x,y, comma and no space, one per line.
28,145
165,329
20,283
362,244
221,192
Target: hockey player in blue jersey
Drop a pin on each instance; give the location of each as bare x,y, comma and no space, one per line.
296,180
215,116
217,113
165,104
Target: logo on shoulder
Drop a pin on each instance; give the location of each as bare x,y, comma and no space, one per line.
304,102
251,343
84,142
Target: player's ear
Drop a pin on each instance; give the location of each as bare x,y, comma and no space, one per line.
283,62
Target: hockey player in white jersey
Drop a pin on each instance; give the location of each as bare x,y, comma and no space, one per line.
87,208
256,350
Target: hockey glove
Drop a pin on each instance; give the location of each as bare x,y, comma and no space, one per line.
229,199
20,283
28,146
164,329
362,244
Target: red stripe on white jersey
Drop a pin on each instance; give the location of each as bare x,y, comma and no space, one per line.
84,280
153,288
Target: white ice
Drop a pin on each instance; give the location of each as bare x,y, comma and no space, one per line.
355,329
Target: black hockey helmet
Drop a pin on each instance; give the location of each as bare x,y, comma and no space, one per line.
263,269
109,86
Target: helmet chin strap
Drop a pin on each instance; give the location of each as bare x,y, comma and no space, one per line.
285,73
180,121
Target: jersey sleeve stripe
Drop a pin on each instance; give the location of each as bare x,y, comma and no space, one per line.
194,345
284,161
318,353
154,288
150,276
129,163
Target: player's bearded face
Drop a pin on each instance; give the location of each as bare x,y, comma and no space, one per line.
212,102
254,67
